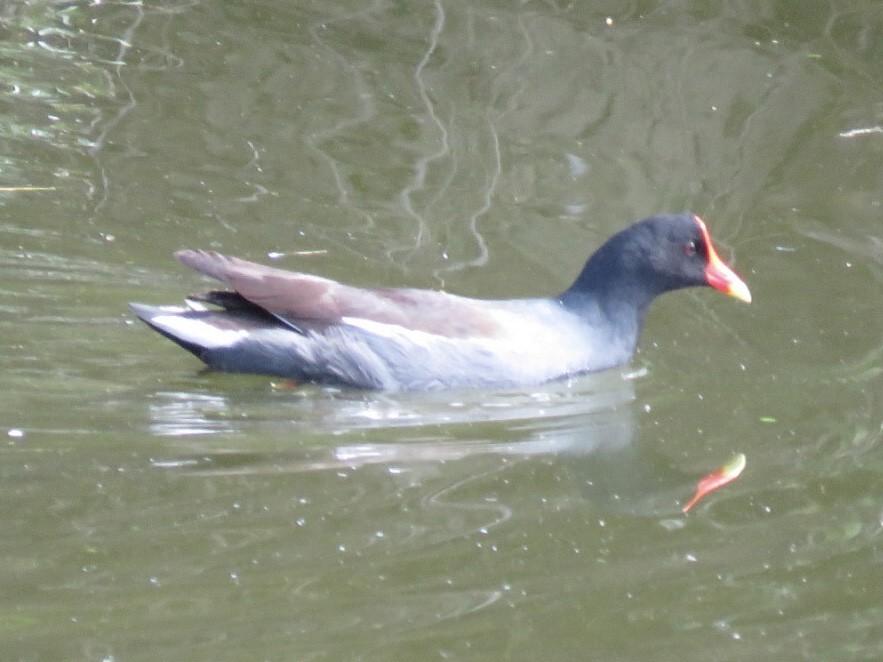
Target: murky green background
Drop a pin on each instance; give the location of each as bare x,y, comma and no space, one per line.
153,511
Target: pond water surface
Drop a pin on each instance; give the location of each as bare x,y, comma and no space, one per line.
151,509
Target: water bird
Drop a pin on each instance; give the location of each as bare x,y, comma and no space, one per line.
312,329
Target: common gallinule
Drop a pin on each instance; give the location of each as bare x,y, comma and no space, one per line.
312,329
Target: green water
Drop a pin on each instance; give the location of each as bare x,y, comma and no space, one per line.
152,510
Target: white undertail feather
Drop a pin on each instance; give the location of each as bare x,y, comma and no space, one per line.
198,332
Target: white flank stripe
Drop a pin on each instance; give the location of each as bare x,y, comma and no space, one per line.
378,328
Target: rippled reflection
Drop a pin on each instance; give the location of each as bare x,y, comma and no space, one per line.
589,414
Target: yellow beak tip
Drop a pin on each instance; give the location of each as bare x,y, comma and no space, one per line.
740,291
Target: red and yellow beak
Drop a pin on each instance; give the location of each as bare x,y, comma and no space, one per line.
718,274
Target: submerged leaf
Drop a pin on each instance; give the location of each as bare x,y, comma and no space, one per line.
717,479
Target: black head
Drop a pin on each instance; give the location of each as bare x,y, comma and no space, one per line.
653,256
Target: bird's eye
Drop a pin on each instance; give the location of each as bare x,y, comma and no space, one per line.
691,248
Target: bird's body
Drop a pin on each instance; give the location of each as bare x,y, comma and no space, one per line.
525,341
312,329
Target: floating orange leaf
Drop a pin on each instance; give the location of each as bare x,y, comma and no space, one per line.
717,479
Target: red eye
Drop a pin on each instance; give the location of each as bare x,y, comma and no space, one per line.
690,249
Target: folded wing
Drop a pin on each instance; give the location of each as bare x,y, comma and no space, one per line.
297,298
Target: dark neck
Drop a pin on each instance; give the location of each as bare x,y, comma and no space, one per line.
609,291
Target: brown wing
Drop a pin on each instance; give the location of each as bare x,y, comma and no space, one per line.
296,296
